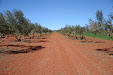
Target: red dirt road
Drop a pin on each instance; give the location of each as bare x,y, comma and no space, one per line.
59,56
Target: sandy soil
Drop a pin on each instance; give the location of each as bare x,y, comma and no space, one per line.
56,54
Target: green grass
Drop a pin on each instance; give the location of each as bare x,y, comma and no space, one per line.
98,35
77,34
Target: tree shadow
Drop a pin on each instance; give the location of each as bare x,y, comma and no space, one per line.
99,42
91,41
14,45
29,49
41,38
44,38
31,41
87,41
31,38
107,50
43,41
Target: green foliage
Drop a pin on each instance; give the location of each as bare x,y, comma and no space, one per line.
3,25
100,18
72,31
15,23
99,28
102,25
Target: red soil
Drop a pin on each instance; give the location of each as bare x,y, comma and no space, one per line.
56,54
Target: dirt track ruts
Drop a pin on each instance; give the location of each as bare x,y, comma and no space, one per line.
60,56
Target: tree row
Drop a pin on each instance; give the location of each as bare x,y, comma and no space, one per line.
17,24
99,25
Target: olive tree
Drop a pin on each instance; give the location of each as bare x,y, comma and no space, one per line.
102,25
15,23
3,25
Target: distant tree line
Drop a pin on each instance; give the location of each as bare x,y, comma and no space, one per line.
15,23
100,25
73,31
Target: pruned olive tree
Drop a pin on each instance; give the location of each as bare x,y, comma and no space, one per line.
15,23
108,26
73,31
3,25
102,25
3,28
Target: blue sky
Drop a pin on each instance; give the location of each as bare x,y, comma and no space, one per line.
55,14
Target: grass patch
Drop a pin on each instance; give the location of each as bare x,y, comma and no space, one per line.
98,35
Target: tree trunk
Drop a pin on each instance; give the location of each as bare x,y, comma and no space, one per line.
4,39
82,37
33,36
95,34
108,34
18,38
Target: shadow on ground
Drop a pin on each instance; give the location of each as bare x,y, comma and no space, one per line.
41,38
31,41
27,50
107,50
14,45
36,38
92,42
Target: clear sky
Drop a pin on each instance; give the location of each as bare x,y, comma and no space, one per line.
55,14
